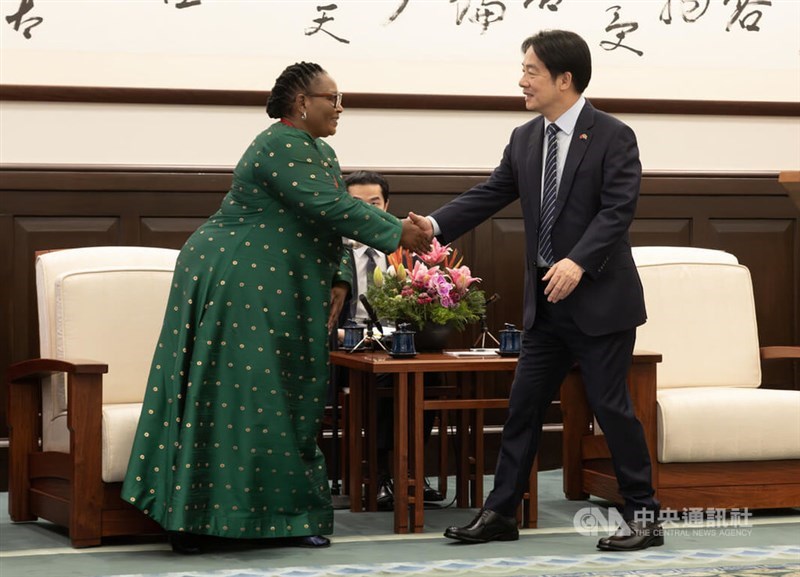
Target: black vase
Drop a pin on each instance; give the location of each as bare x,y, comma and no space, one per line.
433,337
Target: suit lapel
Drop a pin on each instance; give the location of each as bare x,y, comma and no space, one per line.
581,137
534,167
354,288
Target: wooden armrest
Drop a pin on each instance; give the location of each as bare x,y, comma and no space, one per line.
40,368
769,353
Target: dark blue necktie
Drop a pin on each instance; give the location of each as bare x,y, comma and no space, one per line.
550,184
372,256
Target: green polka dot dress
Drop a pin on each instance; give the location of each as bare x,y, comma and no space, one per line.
226,443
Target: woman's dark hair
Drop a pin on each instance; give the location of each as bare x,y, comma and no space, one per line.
368,177
293,80
563,51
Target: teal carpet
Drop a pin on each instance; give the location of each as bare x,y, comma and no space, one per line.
778,561
364,545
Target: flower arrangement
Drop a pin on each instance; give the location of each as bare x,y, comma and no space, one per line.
422,288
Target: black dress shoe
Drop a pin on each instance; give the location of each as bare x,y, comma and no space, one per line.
184,543
313,541
487,526
430,494
385,494
635,535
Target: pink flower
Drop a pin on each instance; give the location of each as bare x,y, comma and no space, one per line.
437,253
424,298
462,278
420,275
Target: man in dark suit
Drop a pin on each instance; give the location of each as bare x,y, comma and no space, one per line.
576,172
373,189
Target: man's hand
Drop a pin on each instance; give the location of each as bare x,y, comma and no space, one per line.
424,223
563,277
338,296
414,238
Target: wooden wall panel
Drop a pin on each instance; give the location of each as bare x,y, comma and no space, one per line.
167,232
661,232
767,246
503,270
44,207
34,233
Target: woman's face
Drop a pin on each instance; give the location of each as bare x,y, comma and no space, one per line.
323,106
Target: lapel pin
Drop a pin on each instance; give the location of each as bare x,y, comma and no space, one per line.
583,136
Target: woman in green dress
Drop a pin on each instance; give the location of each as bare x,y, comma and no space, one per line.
226,442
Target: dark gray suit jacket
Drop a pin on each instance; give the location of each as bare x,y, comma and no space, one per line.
595,206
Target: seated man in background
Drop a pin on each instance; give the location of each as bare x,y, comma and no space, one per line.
373,189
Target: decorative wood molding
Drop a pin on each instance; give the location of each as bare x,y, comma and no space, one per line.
216,179
189,96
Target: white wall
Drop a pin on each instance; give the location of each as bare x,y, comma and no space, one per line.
244,45
58,133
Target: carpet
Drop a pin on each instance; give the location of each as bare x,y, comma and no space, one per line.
777,561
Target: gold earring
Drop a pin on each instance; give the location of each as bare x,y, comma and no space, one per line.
303,116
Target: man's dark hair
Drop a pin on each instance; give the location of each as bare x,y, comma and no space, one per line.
367,177
563,51
295,79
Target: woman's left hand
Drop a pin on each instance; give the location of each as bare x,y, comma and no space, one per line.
338,296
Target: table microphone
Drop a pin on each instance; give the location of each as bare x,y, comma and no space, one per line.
371,313
493,298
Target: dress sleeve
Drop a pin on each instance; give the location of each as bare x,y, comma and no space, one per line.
304,175
345,271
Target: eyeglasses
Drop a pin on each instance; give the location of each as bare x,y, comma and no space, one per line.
335,98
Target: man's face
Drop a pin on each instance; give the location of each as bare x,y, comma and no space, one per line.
541,90
369,193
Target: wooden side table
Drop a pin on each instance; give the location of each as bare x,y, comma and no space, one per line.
409,406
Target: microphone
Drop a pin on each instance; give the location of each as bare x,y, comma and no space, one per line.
371,313
493,298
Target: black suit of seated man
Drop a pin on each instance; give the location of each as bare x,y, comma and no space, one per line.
373,189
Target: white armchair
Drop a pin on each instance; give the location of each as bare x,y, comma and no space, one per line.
718,438
71,428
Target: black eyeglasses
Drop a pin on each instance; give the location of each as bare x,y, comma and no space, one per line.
335,98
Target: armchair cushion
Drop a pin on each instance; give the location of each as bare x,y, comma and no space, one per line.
104,304
119,427
702,319
716,424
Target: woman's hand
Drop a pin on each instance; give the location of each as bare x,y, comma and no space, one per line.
414,238
338,296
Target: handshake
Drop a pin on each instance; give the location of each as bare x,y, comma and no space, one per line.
417,233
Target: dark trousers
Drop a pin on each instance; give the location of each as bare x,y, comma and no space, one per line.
548,351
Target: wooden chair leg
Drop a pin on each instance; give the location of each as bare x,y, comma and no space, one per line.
24,426
577,421
529,510
84,419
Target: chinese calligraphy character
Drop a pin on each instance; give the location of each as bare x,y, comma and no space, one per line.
624,29
750,20
691,10
25,6
322,20
399,10
185,3
551,5
488,12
